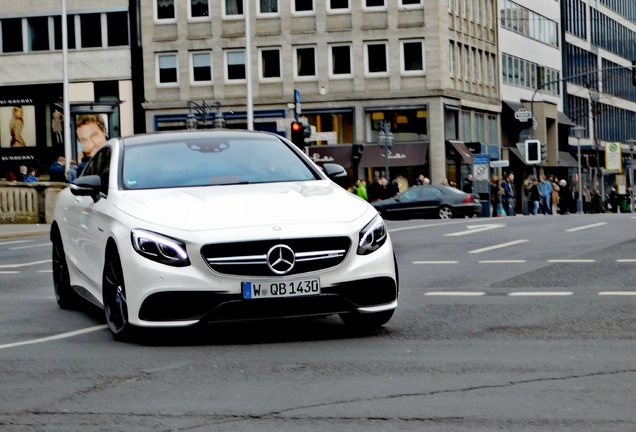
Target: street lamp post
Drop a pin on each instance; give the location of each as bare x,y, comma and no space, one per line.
631,142
191,121
578,133
386,140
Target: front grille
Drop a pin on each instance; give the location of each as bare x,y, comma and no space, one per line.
250,258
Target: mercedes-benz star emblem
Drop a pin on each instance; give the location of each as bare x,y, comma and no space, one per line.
281,259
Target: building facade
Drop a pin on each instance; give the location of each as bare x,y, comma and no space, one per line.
31,78
428,68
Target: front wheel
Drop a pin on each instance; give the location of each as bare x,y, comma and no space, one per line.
445,212
114,295
66,296
369,321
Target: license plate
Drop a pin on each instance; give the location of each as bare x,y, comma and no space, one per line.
289,288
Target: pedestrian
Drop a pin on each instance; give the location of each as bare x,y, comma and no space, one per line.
375,190
587,200
419,181
565,197
555,193
444,182
362,190
22,174
534,197
468,184
527,185
508,198
72,171
33,176
545,189
56,172
613,200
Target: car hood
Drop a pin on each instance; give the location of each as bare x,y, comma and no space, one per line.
236,206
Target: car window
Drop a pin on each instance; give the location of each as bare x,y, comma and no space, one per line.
451,191
409,194
212,161
432,192
100,165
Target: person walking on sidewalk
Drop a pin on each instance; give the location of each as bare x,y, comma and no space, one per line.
534,197
545,188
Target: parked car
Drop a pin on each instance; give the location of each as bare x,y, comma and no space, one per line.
176,229
442,202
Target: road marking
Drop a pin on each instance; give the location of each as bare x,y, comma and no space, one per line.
617,293
499,246
435,262
502,261
9,272
455,293
44,271
586,227
55,337
571,261
472,229
425,226
626,260
541,293
4,266
16,242
31,246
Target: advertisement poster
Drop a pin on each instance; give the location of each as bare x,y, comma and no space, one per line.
17,126
613,157
92,133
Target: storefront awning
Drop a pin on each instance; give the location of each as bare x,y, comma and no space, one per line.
567,160
403,154
461,148
515,151
339,154
514,106
565,120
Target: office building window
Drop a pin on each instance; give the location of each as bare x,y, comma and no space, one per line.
168,68
12,35
232,7
412,57
38,33
199,8
268,6
373,3
235,61
91,30
117,24
338,5
411,2
270,63
201,67
340,60
70,28
305,60
164,10
451,58
376,58
303,5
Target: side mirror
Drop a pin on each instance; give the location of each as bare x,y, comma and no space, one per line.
87,186
337,174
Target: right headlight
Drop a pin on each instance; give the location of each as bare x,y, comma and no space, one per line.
159,248
372,236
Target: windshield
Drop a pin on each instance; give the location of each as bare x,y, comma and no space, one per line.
212,161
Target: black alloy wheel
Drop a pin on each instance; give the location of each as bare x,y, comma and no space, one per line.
114,295
66,296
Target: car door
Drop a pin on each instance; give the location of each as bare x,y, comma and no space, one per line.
91,229
407,204
431,198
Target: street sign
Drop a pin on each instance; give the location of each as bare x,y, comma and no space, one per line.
297,109
480,159
523,115
500,164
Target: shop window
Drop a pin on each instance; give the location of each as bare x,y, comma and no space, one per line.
201,67
117,25
12,35
70,29
341,60
374,3
268,6
167,65
38,33
305,62
411,2
303,5
91,30
376,59
233,7
405,122
199,9
164,10
235,65
270,63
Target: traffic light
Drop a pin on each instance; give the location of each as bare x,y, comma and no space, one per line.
300,131
356,153
544,151
533,155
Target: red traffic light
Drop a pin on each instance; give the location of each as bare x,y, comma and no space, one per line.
296,126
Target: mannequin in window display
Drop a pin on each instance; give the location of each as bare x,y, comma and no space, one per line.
57,125
16,125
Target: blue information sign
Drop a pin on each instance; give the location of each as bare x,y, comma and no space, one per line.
480,160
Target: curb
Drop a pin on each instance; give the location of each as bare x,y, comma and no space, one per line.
20,234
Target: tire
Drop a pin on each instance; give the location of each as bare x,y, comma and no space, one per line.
114,297
66,296
367,322
445,212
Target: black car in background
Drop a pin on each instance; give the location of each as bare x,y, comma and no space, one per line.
442,202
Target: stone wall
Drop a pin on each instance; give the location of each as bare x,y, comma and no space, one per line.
25,203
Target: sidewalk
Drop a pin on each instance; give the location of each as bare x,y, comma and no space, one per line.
8,231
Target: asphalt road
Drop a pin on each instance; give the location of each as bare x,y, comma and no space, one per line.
526,326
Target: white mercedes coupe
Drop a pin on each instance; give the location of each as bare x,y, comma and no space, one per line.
176,229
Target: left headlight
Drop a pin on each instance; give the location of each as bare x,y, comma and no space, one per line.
162,249
372,236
